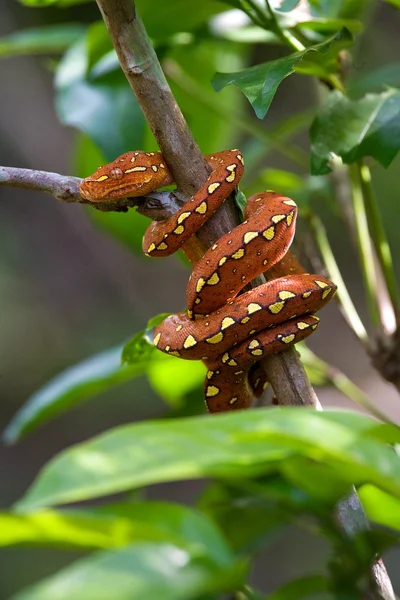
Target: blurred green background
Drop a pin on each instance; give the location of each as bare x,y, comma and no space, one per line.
69,290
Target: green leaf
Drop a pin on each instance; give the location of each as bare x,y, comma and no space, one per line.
259,83
84,380
41,40
93,95
353,129
144,571
304,587
173,378
380,507
113,526
244,443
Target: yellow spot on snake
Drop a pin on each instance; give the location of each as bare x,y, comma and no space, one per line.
301,325
200,284
233,400
252,308
135,169
284,295
162,246
265,261
174,353
222,261
307,294
212,391
231,178
202,208
183,216
315,318
278,218
287,339
133,159
225,357
215,339
238,254
197,301
276,307
289,218
326,293
254,344
189,342
212,187
102,178
151,248
290,202
157,339
252,331
232,363
257,352
180,229
269,233
213,280
227,322
167,348
155,168
314,326
179,328
240,157
214,247
250,235
321,284
238,372
245,320
209,374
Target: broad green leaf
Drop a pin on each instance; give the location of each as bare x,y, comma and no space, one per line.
394,2
353,129
41,40
72,386
93,95
244,443
304,587
380,507
142,571
259,83
113,526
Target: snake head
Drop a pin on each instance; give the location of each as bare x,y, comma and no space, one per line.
131,174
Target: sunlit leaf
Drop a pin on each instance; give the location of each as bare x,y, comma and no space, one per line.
240,443
380,507
113,526
353,129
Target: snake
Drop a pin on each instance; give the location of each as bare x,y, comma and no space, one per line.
230,330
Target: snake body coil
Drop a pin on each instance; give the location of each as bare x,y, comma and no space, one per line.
230,333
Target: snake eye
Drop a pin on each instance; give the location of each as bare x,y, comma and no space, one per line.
116,173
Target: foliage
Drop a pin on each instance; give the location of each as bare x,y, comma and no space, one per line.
267,468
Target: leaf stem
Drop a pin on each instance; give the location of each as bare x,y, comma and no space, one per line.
379,236
364,244
349,310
